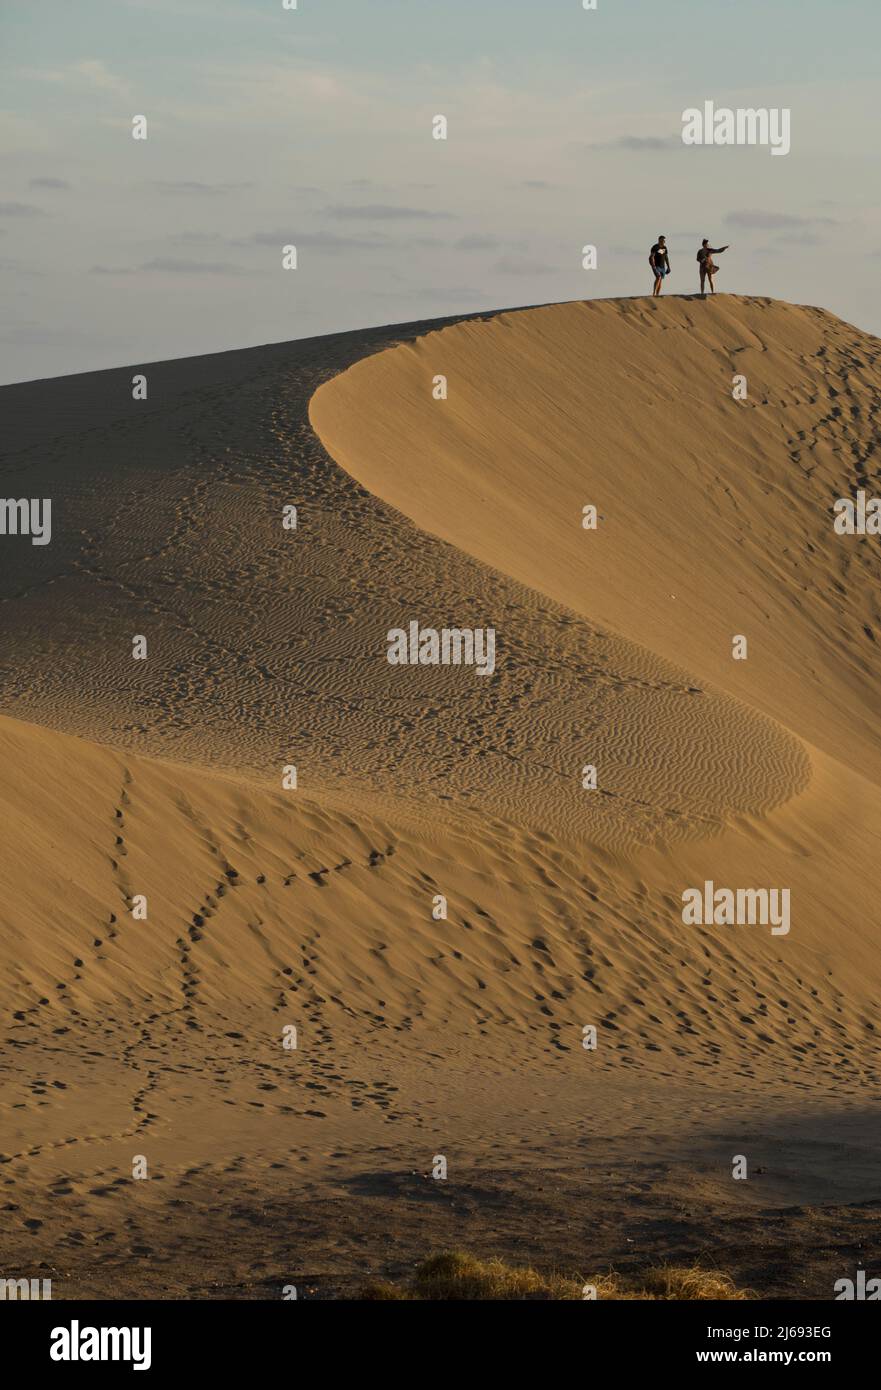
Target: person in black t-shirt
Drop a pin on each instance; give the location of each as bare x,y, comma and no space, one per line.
659,260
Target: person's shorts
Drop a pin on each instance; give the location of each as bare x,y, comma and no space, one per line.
659,270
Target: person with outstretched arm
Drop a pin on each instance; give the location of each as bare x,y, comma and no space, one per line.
659,260
708,267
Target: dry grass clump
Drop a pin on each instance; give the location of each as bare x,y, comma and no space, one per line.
455,1275
670,1282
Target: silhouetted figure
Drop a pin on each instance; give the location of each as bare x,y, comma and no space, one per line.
659,260
705,261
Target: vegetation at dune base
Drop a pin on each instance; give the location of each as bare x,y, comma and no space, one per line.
454,1275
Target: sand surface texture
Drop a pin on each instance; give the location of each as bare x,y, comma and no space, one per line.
269,907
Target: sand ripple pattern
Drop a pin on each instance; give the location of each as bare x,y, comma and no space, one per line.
267,647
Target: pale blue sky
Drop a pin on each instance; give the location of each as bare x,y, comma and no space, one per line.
314,127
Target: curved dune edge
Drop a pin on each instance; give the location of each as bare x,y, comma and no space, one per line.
268,648
480,489
715,513
502,468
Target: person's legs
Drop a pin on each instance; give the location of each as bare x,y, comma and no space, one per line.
657,289
710,274
703,279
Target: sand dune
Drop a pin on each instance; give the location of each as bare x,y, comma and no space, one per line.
716,512
247,623
313,907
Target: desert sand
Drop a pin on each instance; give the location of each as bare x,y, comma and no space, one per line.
159,1041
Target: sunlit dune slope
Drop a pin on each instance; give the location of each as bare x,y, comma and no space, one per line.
256,909
715,513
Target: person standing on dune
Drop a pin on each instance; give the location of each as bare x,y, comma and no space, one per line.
705,261
659,260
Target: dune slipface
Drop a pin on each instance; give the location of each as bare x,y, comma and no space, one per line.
468,902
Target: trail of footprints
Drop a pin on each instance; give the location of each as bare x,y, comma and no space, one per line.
704,1039
565,957
323,1073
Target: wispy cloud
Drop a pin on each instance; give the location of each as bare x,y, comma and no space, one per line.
646,142
20,210
461,295
93,71
321,241
769,221
172,265
90,71
384,212
522,265
638,143
195,187
477,242
49,183
804,239
196,238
